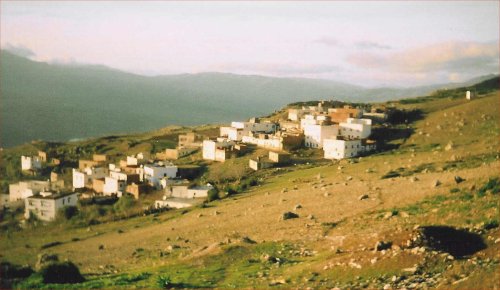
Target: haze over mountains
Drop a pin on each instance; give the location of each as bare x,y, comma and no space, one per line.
64,102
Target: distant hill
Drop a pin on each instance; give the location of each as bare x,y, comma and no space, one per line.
63,102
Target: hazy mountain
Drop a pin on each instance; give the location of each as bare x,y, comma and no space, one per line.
63,102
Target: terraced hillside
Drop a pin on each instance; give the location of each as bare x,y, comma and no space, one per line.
375,222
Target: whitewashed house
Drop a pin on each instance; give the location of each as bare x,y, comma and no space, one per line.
184,191
83,178
341,148
154,173
45,205
24,189
31,163
175,202
315,134
114,186
217,149
356,128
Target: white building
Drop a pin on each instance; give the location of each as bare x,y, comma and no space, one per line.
118,175
216,150
24,189
154,173
469,95
356,128
132,161
340,148
84,177
315,134
184,191
239,129
31,162
46,205
80,179
114,186
174,202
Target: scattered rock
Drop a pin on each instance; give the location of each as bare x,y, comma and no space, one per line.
44,259
388,215
298,206
349,178
363,196
404,214
449,146
247,240
284,190
458,179
288,215
311,217
382,245
414,179
326,194
172,247
277,282
436,183
101,247
411,270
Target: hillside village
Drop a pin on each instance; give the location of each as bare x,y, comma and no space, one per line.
339,132
296,165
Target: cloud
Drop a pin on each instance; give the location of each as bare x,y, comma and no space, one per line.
329,41
19,50
454,57
371,45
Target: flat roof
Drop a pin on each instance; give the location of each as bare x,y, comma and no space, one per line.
53,196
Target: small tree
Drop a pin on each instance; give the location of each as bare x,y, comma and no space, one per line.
61,273
213,194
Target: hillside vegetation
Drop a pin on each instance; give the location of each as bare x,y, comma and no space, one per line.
365,222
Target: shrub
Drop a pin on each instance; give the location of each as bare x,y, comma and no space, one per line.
11,271
68,212
61,273
125,203
164,282
213,194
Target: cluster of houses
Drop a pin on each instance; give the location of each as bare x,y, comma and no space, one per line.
134,175
339,132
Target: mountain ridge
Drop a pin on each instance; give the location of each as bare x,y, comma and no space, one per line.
62,102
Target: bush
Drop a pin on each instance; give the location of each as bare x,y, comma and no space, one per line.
11,271
125,203
68,212
213,194
61,273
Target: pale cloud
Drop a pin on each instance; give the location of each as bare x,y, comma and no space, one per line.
327,40
371,45
447,56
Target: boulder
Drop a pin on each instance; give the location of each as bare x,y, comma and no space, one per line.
363,196
289,215
382,245
458,179
44,259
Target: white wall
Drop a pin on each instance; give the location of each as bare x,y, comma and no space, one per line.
46,208
315,134
356,128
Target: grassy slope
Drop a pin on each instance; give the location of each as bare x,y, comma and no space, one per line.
211,254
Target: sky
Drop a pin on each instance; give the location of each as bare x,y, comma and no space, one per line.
376,43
